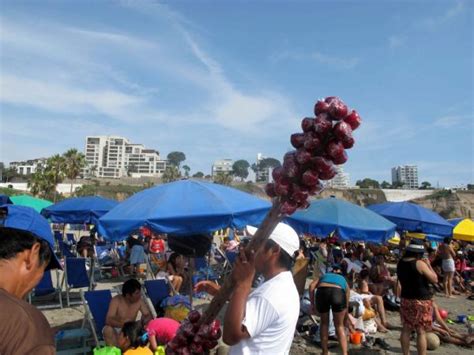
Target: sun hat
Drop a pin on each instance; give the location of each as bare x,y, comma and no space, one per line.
27,219
416,247
284,236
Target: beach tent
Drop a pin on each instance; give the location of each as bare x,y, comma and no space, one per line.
5,200
464,230
184,207
78,210
26,200
347,220
413,218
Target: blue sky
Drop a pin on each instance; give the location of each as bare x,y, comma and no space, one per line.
230,79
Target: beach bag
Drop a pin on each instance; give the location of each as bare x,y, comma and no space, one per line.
107,350
176,307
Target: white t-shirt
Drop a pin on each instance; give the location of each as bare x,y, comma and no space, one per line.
271,314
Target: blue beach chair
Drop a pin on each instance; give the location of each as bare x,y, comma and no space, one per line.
156,291
96,305
45,288
75,275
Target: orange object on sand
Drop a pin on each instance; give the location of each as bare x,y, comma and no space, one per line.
356,338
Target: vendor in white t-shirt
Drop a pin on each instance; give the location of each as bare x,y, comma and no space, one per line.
263,321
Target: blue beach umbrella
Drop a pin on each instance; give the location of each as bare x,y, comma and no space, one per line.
4,200
184,207
413,218
78,210
349,221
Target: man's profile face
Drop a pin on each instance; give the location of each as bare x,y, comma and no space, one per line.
33,273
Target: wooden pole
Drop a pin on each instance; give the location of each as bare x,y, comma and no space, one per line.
271,220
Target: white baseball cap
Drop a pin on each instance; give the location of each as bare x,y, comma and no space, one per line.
284,236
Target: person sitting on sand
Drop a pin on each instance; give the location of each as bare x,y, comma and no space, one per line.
132,339
177,272
124,308
447,334
372,301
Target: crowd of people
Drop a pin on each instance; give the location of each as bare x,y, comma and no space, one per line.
350,290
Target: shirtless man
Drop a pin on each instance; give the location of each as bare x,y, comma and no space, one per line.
124,308
447,254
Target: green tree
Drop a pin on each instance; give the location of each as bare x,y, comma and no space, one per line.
222,178
55,172
199,175
171,174
241,169
368,183
269,163
74,163
385,185
186,169
176,158
425,185
39,183
397,185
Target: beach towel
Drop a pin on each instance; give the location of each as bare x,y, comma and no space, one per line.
137,255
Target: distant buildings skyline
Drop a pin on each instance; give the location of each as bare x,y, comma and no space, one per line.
407,175
115,157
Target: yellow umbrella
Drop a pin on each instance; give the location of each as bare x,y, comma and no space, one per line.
416,235
395,240
464,230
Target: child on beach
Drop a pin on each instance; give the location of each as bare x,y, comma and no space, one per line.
161,331
132,339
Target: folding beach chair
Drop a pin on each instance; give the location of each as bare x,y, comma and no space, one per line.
203,271
45,288
156,291
105,259
76,276
96,305
64,249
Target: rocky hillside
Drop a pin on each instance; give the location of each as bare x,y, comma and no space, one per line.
450,204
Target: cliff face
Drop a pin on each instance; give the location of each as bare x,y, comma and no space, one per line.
450,204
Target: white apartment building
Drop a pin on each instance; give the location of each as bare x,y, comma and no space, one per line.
222,166
341,180
115,157
407,175
27,167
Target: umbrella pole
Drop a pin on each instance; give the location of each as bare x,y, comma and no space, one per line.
190,272
268,225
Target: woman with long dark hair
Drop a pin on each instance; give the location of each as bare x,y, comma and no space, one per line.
416,308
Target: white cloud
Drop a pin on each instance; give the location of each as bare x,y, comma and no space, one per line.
452,12
451,121
396,41
323,58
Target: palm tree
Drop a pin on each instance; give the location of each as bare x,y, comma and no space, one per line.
74,162
186,169
55,168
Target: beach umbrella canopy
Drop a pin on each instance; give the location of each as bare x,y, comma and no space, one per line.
413,218
78,210
430,237
26,200
349,221
464,230
184,207
454,221
4,200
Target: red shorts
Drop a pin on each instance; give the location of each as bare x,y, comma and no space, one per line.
416,313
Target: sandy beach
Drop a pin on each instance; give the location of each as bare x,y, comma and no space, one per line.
72,317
